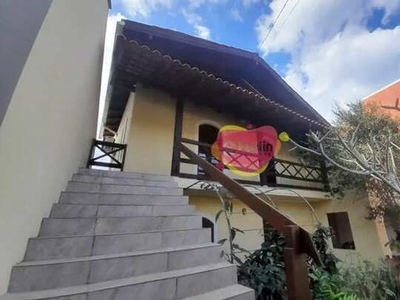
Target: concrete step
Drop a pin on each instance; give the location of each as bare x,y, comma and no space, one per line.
92,226
46,248
123,181
141,224
233,292
118,199
138,211
85,187
130,175
92,211
170,285
116,235
73,211
50,274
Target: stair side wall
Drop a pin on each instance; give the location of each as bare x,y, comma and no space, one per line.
50,121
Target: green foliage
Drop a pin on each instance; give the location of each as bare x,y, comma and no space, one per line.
370,123
263,269
320,239
371,280
373,127
328,286
365,280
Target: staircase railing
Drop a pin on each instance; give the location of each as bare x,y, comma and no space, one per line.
113,151
298,240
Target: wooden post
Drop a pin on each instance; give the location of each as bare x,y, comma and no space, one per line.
296,270
176,152
90,153
298,240
123,157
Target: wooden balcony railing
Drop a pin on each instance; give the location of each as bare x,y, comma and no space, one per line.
110,155
298,240
280,173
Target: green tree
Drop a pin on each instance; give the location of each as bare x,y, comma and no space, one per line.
362,153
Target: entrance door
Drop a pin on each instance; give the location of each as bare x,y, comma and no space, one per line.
208,135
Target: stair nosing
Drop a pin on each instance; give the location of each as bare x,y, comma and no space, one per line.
102,193
116,204
135,185
239,290
101,204
127,217
112,234
122,183
105,171
115,255
118,283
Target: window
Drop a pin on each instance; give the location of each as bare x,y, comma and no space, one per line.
343,237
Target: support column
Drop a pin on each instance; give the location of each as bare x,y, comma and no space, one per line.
298,285
176,153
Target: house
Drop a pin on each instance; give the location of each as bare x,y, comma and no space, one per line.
167,87
113,234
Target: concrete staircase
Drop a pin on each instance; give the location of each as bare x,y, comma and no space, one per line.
116,235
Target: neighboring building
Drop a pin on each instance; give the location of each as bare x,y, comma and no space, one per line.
51,56
167,87
387,100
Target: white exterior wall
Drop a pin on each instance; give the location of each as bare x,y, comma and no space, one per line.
49,124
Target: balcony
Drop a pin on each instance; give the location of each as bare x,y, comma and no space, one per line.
279,173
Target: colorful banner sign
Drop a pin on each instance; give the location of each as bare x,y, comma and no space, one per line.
247,152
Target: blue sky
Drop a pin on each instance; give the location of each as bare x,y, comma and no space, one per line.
330,51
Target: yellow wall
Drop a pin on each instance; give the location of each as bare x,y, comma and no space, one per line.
364,231
51,119
151,132
150,147
125,125
250,223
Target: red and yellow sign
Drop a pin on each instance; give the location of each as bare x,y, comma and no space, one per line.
247,152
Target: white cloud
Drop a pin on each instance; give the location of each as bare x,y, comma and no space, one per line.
107,58
193,4
308,23
248,3
203,32
195,20
334,57
191,17
236,15
347,68
144,7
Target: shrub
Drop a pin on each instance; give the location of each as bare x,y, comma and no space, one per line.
371,280
263,270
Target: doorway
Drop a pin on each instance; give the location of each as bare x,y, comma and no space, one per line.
207,135
207,223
